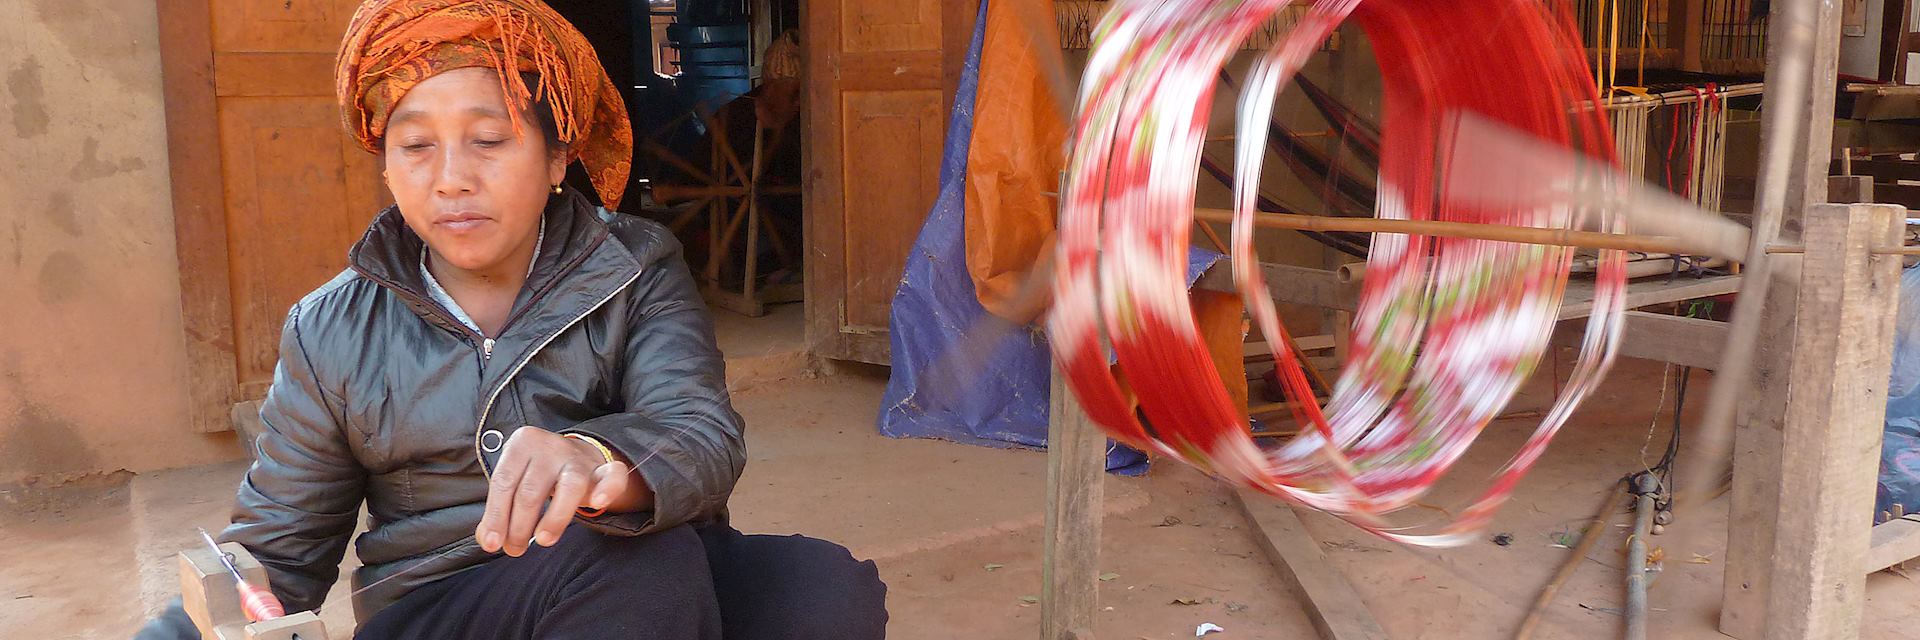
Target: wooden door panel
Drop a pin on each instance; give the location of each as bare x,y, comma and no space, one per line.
900,25
280,25
900,133
291,214
298,193
275,73
879,77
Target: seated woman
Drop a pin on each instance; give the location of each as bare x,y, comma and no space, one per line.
522,387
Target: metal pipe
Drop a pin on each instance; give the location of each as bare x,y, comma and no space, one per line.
1645,487
1616,496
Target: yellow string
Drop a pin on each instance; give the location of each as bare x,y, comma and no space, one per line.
1613,44
1599,48
1643,43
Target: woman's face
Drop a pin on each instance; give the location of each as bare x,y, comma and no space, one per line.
466,182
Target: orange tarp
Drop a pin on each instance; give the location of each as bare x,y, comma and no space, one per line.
1014,163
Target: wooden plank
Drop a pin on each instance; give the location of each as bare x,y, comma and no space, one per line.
1259,349
1893,542
289,207
1756,462
1685,21
1905,195
1835,411
820,151
1076,462
1578,300
1330,602
199,210
283,73
1289,284
1881,170
1688,342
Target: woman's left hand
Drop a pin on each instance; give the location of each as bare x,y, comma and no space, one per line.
541,480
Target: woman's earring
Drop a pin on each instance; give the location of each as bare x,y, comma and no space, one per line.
556,189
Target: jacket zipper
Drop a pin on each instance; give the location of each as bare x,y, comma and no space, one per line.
487,349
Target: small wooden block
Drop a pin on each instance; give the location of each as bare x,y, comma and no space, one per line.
304,625
207,591
1849,189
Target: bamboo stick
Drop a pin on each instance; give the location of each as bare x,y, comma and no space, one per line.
1595,527
676,193
1683,96
1499,233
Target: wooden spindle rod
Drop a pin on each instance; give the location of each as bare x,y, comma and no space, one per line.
1476,231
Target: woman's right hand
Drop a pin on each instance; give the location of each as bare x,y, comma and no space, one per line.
542,479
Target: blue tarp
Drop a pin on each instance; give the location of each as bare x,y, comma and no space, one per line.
1900,448
959,373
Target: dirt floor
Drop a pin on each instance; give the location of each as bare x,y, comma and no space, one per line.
956,531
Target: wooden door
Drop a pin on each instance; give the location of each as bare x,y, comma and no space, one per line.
269,193
880,76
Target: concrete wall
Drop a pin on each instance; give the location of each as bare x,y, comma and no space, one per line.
1860,55
92,359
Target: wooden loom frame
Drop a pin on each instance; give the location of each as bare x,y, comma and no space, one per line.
1809,475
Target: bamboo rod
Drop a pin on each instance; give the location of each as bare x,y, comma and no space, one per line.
1499,233
1683,96
1596,526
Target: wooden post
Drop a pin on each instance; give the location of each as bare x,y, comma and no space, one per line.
1837,397
1076,460
1686,22
1802,59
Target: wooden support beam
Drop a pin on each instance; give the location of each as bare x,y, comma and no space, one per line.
1893,542
1905,195
1756,463
1686,20
1688,342
1837,397
1882,170
1578,300
1330,602
1076,462
1796,148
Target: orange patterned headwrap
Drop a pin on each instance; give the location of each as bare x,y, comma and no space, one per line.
392,45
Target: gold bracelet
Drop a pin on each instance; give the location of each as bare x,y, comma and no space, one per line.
604,453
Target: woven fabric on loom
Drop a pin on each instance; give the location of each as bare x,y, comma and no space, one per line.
1447,329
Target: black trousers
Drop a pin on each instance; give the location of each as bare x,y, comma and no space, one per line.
678,584
713,583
